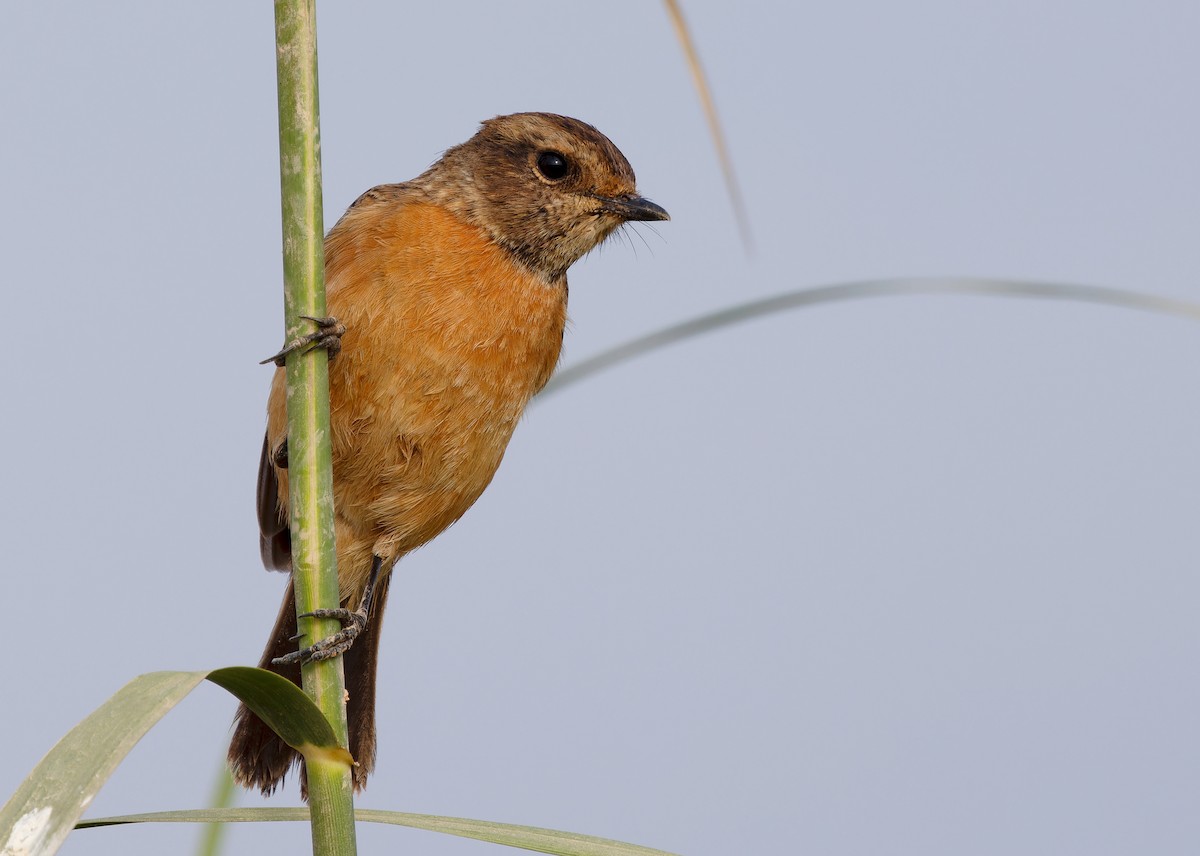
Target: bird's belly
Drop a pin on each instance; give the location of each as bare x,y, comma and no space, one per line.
413,466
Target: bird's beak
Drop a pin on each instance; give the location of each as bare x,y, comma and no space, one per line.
635,208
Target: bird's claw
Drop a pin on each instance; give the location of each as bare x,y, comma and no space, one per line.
354,621
328,335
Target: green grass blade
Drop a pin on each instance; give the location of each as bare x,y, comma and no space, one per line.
1118,297
51,799
212,836
531,838
45,807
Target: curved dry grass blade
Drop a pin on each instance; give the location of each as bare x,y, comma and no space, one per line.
532,838
675,13
859,290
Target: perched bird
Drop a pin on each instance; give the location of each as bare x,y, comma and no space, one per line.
449,295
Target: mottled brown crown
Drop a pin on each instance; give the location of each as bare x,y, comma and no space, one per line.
496,181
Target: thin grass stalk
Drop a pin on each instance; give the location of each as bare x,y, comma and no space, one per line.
212,836
1071,292
310,475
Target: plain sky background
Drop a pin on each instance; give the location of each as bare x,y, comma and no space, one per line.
907,575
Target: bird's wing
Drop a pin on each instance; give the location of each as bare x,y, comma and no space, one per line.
275,540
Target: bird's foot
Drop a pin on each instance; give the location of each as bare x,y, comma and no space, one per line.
354,622
328,335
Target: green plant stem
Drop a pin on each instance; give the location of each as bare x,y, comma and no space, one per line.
310,476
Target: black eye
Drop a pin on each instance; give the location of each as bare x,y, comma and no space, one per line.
553,165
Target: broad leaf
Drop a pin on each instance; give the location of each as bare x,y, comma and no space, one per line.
38,817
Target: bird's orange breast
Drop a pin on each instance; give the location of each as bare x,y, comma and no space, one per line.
447,338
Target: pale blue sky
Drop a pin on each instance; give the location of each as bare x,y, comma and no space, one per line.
910,576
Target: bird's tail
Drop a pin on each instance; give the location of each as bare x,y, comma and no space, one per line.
258,758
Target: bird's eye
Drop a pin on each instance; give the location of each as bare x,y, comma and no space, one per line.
553,166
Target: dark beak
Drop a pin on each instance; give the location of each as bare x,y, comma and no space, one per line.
635,208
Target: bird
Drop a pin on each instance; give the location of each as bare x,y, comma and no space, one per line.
447,298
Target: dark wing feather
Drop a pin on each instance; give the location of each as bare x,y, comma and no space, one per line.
275,541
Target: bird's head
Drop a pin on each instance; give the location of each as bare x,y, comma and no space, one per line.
547,188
